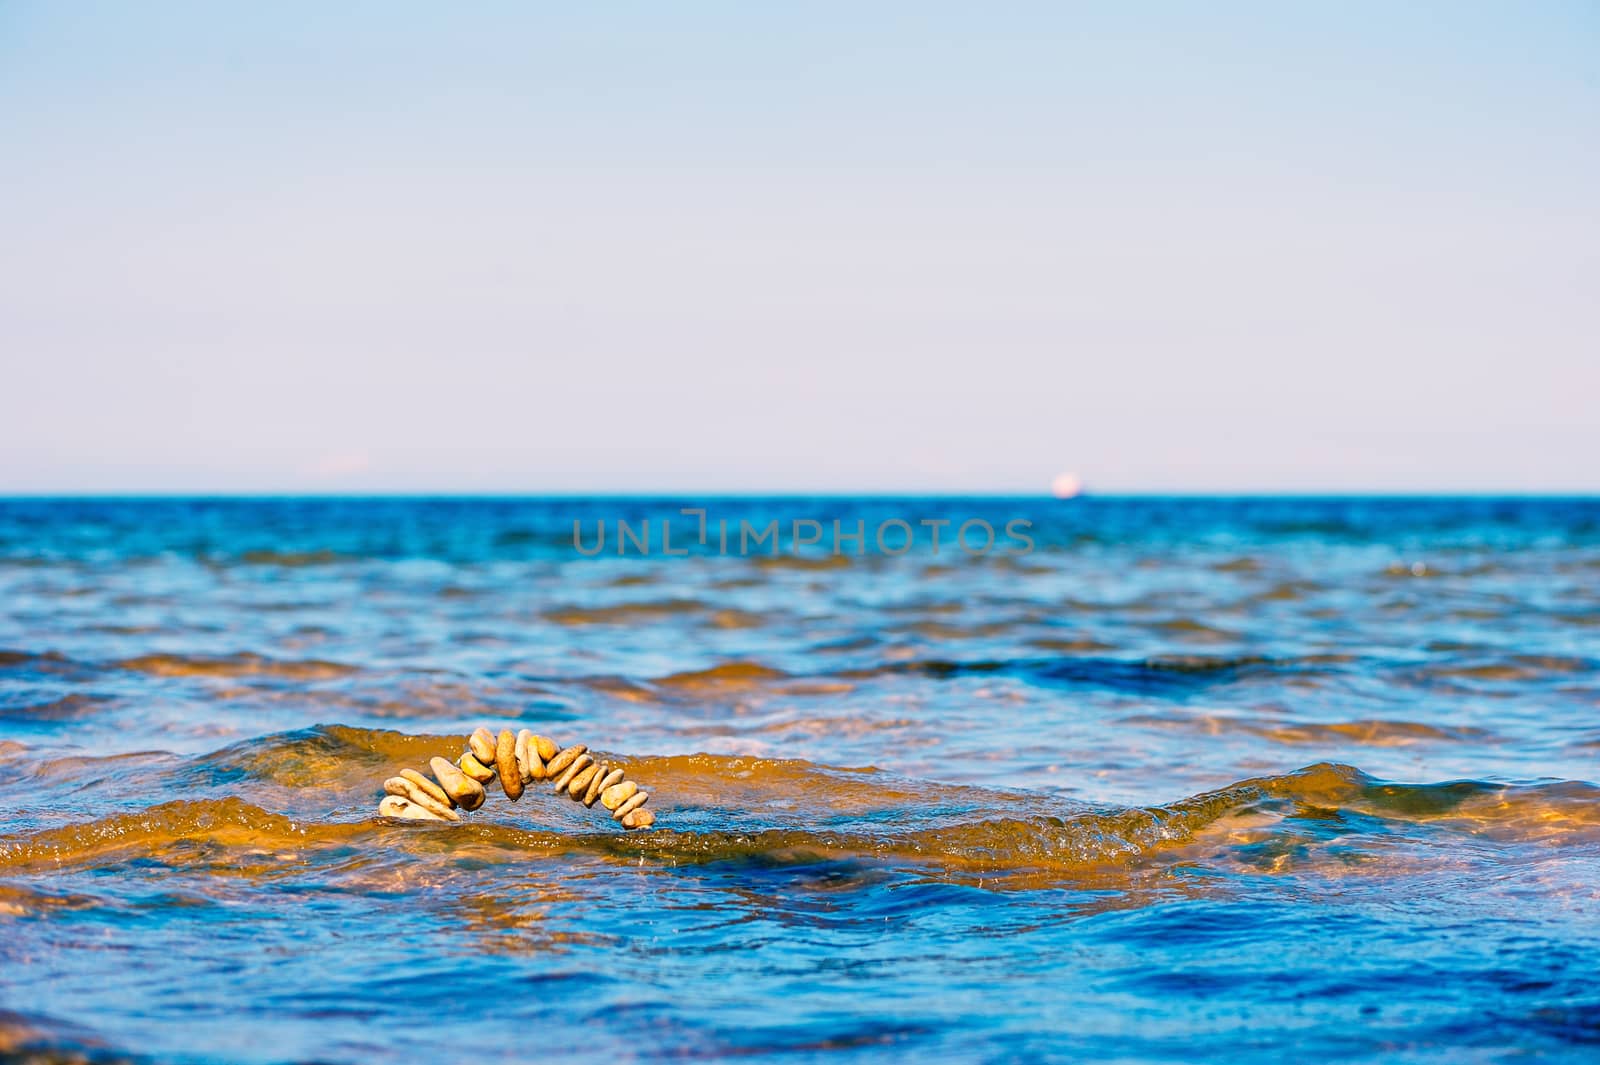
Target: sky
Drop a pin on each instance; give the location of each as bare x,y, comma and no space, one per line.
388,247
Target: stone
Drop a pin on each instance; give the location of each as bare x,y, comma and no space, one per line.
602,780
395,806
581,763
428,787
638,819
580,783
505,764
473,767
462,789
565,758
481,744
614,795
547,747
638,800
408,791
528,761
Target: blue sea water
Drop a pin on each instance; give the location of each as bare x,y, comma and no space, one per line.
1188,778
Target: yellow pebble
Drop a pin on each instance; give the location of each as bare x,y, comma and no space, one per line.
529,764
580,782
481,744
428,787
466,792
408,791
578,765
615,795
505,764
474,768
601,781
565,758
395,806
638,800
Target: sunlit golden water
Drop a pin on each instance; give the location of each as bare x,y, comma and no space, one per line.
1245,779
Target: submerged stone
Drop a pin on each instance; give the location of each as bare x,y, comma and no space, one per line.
405,789
395,806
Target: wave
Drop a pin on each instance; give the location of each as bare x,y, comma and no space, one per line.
1515,667
1152,675
243,664
293,559
44,662
77,706
1155,675
1371,732
659,610
730,676
717,807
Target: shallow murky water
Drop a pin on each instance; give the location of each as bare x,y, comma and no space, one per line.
1194,777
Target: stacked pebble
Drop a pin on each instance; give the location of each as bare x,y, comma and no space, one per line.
516,760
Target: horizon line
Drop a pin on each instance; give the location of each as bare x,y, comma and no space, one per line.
688,494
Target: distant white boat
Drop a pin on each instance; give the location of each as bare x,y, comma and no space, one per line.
1066,486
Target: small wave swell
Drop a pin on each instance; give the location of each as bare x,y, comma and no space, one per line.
718,807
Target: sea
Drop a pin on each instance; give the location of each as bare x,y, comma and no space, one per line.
1135,779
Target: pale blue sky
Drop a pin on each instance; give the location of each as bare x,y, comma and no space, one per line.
684,246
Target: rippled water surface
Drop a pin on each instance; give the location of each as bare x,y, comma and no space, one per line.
1229,778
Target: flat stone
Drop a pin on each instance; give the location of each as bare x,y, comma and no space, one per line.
505,764
565,758
614,795
547,747
580,783
481,744
473,767
638,819
529,764
638,800
428,787
395,806
578,765
600,783
405,789
462,789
